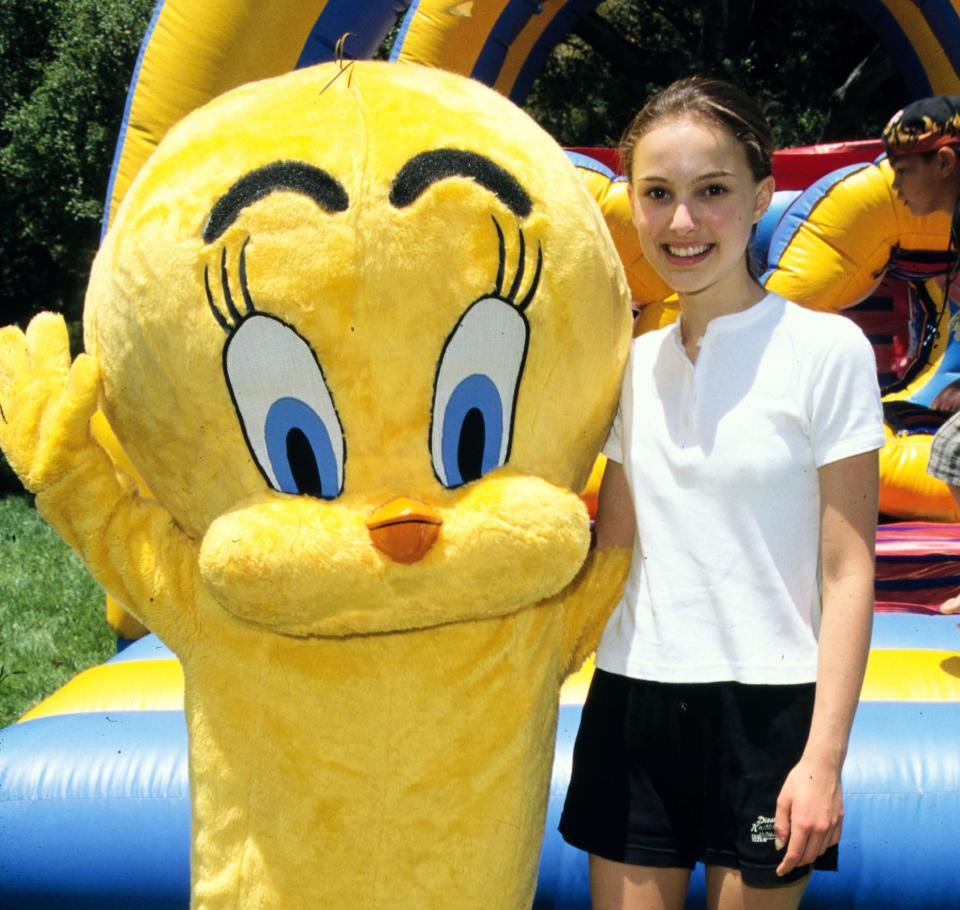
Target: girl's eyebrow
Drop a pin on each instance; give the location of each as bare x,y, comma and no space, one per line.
711,175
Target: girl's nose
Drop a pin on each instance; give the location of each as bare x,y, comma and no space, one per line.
682,221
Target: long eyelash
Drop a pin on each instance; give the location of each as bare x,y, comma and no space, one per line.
501,246
244,287
535,283
233,317
225,283
520,265
510,296
221,319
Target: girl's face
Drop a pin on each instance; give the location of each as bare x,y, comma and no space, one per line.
694,202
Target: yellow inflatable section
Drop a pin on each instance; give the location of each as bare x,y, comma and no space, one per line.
612,195
900,674
830,251
844,233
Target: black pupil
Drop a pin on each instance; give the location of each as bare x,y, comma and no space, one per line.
470,450
303,464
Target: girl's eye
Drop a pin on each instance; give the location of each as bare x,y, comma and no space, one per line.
715,189
285,408
658,193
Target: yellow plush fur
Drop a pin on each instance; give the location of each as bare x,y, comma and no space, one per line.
364,731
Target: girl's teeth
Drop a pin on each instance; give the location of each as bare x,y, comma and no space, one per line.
687,250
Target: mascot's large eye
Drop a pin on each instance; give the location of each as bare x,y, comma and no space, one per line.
476,390
285,408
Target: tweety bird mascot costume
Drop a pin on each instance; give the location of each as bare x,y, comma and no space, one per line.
361,332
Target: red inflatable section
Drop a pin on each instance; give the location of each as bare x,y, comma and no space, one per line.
793,169
918,566
797,168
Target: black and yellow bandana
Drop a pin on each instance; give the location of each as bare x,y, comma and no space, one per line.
924,126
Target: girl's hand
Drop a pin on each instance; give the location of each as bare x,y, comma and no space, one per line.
809,813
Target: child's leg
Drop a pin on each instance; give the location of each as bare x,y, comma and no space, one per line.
726,891
619,886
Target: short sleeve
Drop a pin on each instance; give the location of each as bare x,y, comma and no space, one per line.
945,452
613,447
846,415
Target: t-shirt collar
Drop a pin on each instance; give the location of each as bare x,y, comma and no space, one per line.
740,319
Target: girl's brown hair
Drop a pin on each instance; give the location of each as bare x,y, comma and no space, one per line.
716,100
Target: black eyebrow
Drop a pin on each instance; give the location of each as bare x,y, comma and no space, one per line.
425,169
291,176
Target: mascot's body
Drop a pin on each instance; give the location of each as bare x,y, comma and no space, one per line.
361,333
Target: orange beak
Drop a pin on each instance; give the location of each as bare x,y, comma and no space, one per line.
404,530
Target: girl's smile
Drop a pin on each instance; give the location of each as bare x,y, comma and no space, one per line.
685,256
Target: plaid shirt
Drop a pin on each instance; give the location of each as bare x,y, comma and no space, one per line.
944,461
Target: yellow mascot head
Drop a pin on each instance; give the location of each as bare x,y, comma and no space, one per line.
362,336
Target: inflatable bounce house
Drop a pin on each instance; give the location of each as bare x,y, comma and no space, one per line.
95,805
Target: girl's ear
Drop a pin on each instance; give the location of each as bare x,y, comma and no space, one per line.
763,197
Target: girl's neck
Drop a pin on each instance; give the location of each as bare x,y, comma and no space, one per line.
699,309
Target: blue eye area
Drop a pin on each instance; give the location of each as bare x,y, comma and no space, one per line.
472,430
475,392
300,450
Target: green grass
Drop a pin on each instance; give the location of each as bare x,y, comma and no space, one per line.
52,615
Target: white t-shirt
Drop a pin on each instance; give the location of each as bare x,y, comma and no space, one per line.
721,459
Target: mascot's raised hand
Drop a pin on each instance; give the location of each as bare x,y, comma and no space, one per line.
361,334
45,402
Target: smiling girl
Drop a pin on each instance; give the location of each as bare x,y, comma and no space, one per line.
743,472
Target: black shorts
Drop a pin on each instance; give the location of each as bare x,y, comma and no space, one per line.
671,774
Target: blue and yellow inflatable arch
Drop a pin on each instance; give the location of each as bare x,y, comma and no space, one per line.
921,37
195,51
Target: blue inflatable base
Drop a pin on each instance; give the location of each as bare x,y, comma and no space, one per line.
94,812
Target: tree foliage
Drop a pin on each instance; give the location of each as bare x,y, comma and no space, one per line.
65,66
814,66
